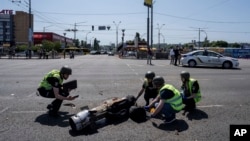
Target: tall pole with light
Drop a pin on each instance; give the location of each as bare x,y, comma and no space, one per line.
117,26
87,38
30,31
64,53
148,4
44,28
152,33
163,39
123,30
205,40
159,34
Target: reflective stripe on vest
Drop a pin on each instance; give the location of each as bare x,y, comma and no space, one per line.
45,84
146,82
176,101
197,97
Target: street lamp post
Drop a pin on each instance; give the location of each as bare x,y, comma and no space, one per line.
64,53
205,40
46,27
123,30
159,33
117,26
163,39
91,42
87,38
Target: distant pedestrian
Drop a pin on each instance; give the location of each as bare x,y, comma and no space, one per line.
149,56
176,54
172,56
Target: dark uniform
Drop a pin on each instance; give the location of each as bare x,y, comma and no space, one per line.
190,103
148,88
54,79
190,87
150,91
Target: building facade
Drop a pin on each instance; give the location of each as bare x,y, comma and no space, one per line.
7,28
39,37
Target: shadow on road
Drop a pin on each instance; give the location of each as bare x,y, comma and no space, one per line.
103,123
177,126
196,114
62,121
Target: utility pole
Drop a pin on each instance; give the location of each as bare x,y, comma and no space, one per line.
123,30
199,30
159,34
117,25
30,31
152,33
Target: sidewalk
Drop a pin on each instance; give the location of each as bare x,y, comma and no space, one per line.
33,57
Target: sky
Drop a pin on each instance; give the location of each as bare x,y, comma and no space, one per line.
177,21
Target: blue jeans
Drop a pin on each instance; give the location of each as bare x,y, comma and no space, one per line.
167,111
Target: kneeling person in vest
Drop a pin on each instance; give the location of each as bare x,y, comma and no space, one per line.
147,88
168,102
190,91
51,87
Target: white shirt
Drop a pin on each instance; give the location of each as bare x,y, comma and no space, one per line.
172,52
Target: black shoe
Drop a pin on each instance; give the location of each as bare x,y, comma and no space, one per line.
50,107
170,119
54,114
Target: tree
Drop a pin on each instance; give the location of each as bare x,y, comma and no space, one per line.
219,44
96,44
48,45
236,45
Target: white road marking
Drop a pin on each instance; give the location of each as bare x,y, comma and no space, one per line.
210,106
5,109
27,112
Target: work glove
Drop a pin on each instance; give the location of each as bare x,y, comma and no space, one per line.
146,108
183,96
152,116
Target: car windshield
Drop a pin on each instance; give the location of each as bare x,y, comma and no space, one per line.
213,54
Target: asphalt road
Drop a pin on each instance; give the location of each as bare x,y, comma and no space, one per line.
225,100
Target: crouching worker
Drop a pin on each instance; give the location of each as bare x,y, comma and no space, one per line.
190,91
147,88
51,87
167,103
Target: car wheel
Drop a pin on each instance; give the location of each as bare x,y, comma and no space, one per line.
227,65
191,63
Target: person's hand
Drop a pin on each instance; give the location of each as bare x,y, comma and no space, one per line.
146,108
71,97
184,97
152,116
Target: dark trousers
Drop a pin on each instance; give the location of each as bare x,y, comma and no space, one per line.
189,104
175,60
55,104
148,95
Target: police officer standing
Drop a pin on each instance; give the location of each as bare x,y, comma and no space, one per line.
190,91
51,87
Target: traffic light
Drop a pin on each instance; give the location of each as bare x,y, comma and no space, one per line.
108,27
93,28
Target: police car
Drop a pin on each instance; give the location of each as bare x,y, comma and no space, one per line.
208,58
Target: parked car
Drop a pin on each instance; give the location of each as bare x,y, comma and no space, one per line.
94,52
111,53
23,54
208,58
131,53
